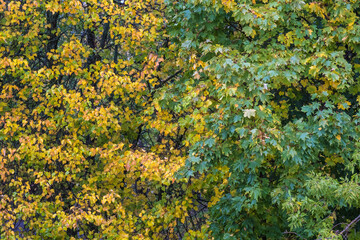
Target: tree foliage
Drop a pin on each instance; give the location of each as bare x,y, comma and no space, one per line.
196,119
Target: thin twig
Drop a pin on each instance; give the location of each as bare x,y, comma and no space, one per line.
286,232
350,225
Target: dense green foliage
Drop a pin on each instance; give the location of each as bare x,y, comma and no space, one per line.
283,116
192,119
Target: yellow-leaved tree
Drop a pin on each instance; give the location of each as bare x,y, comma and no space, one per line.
87,148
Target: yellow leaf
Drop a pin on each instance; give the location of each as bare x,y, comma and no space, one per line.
311,89
304,82
338,137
